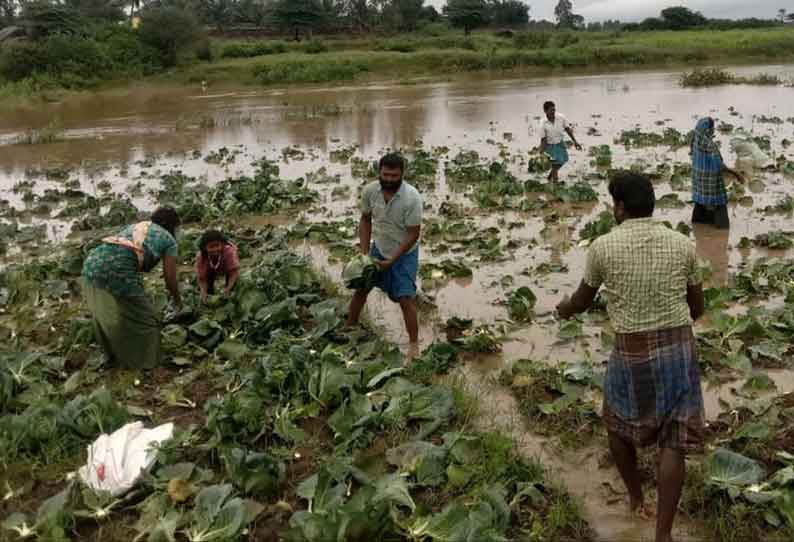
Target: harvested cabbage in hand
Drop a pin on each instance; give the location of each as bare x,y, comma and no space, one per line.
360,273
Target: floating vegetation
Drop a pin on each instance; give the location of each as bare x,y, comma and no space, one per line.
709,77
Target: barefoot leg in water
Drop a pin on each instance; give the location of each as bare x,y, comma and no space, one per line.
625,455
671,479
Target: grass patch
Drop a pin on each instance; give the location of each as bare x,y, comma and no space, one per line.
253,49
711,77
555,400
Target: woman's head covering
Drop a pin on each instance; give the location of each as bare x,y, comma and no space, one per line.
703,138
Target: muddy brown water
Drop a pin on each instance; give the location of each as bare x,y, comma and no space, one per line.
132,137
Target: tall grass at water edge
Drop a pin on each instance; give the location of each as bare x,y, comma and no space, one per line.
420,56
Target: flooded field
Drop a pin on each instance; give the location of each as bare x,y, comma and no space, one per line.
480,245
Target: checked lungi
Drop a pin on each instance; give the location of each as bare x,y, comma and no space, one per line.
652,391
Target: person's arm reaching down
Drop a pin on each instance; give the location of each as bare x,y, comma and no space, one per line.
581,300
171,282
364,233
410,240
569,131
696,301
231,280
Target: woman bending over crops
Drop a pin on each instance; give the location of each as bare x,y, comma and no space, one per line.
216,256
708,185
125,322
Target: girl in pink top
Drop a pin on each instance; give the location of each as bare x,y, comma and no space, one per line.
216,256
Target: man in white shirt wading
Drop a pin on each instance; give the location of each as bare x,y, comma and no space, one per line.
552,132
391,211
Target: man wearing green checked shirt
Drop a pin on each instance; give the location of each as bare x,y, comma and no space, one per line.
652,391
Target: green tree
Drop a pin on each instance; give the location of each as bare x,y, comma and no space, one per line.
298,15
42,19
408,13
563,12
217,13
509,12
170,31
430,14
333,12
466,14
102,10
359,13
566,18
8,12
680,18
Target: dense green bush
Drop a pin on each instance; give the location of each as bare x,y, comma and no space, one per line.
21,61
314,47
171,31
84,58
532,40
204,49
433,29
299,71
42,19
79,62
127,53
396,46
257,48
564,39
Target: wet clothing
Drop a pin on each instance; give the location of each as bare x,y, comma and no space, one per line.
125,323
390,221
400,279
716,215
228,263
652,390
554,132
558,154
645,268
116,268
127,328
708,185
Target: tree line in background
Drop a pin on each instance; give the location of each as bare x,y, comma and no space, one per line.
78,43
305,16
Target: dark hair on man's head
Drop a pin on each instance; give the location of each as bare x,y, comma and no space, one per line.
548,105
211,236
635,191
167,217
392,160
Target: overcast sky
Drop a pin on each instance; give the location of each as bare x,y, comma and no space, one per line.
630,10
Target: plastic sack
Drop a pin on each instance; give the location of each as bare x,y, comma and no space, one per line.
115,462
360,273
749,152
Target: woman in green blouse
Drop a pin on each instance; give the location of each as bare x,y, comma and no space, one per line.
125,322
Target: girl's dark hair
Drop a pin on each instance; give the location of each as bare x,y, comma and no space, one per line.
167,217
548,105
211,236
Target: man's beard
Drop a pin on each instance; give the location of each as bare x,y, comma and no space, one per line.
390,186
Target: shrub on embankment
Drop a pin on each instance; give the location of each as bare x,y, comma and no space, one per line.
77,52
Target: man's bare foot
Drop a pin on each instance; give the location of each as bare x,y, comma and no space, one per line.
640,510
412,352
